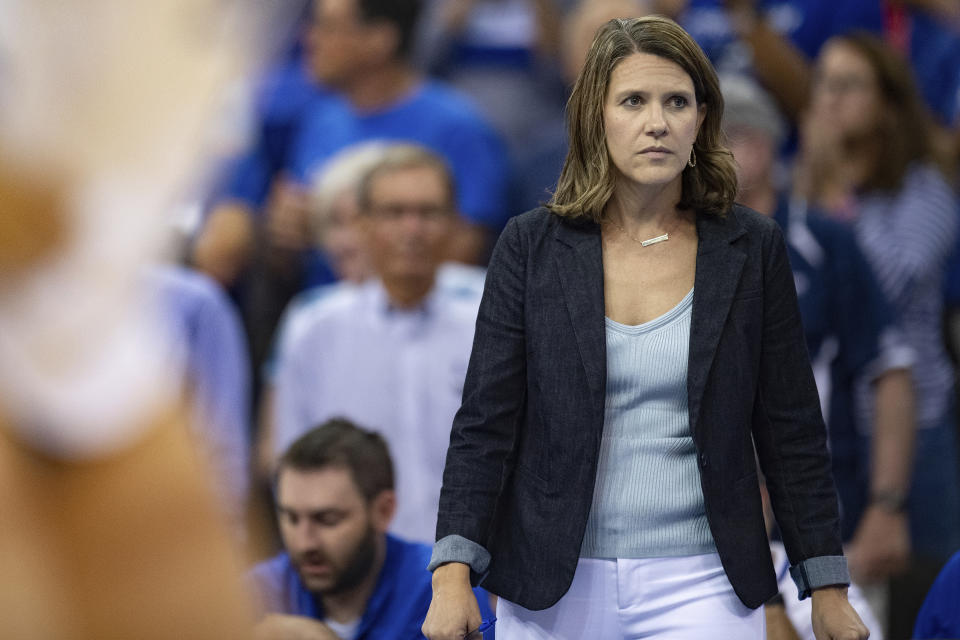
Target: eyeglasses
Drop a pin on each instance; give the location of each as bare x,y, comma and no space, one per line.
396,211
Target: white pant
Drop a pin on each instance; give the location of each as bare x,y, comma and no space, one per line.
684,598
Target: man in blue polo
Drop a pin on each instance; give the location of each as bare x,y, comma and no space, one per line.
359,51
342,576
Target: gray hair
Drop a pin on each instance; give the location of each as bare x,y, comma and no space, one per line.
406,156
748,105
339,175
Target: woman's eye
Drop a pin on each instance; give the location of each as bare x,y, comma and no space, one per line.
678,101
633,101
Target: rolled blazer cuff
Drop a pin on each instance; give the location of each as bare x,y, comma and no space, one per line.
454,548
821,571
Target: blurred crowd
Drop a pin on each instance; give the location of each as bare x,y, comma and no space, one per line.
393,140
333,268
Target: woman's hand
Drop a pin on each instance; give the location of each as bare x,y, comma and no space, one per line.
453,612
833,616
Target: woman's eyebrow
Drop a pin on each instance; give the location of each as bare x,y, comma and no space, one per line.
622,93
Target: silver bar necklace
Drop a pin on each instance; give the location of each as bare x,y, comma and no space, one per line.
647,243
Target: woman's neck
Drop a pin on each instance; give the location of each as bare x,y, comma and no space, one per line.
640,209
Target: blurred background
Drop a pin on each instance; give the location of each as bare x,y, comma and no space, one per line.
188,219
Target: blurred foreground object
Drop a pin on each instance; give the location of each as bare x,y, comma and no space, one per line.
125,547
108,529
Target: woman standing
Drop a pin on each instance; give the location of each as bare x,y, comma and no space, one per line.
637,341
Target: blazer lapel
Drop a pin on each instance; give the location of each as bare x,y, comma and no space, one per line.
580,266
719,265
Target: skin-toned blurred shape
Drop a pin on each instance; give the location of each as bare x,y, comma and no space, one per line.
108,529
105,550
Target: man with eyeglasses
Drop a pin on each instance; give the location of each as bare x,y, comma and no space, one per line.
392,352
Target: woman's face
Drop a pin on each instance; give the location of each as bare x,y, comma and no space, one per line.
845,91
651,119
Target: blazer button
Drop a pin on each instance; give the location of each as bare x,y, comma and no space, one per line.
703,461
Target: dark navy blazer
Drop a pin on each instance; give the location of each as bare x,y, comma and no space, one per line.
525,443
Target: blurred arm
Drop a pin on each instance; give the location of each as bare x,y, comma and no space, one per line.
549,27
782,68
881,543
225,244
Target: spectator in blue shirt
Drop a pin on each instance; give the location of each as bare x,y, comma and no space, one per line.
379,95
342,576
360,50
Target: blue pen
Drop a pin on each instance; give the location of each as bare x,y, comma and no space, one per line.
484,626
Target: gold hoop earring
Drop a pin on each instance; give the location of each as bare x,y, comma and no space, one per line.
692,162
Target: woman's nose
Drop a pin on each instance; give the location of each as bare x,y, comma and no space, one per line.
656,124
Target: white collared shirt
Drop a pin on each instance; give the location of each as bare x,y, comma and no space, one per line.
349,354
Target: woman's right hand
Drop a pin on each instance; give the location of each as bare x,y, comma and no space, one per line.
453,612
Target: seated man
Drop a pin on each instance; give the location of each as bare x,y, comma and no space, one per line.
392,352
342,575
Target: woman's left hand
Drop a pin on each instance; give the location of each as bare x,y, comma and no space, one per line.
833,616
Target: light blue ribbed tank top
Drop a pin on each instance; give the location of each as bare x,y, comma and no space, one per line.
647,501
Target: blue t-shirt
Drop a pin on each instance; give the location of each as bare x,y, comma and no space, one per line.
940,615
845,319
431,115
396,608
286,93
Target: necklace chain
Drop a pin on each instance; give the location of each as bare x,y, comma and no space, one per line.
643,243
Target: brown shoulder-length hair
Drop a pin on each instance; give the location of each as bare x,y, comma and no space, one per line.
905,127
587,181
